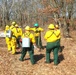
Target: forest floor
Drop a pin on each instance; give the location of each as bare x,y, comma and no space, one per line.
10,64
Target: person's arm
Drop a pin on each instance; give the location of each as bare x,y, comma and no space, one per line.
57,33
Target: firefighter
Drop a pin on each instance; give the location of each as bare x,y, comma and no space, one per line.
8,39
13,44
37,33
13,38
12,25
59,37
51,37
29,48
17,33
57,29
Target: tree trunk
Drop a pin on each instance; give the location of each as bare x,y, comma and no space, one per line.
65,28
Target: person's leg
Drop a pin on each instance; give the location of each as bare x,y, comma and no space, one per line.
13,44
56,55
31,53
47,56
36,39
18,41
60,49
48,50
40,42
23,53
37,43
8,42
9,46
13,49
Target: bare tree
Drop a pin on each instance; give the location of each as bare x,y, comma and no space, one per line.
28,12
62,11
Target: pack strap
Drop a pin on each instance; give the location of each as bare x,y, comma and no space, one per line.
52,34
26,34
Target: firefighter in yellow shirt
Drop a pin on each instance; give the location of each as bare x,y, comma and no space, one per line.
57,29
29,48
51,38
13,45
8,39
12,25
59,37
13,38
37,33
17,32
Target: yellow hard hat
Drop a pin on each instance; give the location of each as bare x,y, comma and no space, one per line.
16,25
57,26
27,28
13,23
51,26
7,26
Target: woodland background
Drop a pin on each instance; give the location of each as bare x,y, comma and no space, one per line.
28,12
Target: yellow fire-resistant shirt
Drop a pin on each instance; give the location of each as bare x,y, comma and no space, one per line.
37,31
8,40
17,32
51,35
29,35
20,32
11,27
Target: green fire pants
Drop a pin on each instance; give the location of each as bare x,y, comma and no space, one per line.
38,41
31,53
55,47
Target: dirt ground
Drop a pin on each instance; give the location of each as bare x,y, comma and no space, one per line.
10,64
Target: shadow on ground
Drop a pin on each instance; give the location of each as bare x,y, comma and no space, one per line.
38,57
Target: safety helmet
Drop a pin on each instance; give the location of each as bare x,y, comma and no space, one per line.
27,28
13,23
57,26
51,26
16,25
7,27
36,24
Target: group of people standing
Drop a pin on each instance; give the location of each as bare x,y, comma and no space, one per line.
13,34
18,39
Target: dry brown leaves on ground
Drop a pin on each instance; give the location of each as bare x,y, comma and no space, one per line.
10,64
